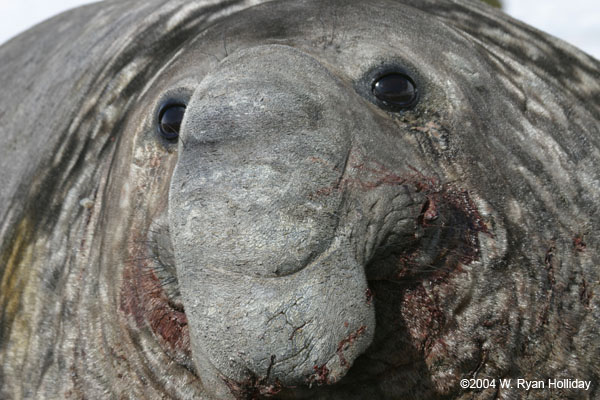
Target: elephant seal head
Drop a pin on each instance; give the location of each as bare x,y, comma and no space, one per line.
296,182
299,199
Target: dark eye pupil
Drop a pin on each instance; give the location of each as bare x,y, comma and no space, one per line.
395,89
170,121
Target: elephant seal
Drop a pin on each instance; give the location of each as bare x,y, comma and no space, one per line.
297,199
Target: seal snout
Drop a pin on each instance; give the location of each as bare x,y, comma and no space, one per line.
269,274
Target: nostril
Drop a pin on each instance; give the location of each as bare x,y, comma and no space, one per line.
429,212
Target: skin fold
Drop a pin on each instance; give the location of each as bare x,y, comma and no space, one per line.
298,235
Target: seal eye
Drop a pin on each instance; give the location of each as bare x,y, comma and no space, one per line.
395,89
169,120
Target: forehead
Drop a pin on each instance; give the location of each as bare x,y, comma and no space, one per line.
347,36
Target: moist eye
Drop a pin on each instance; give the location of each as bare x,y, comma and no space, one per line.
169,121
395,89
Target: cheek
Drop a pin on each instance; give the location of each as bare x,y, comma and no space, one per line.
147,306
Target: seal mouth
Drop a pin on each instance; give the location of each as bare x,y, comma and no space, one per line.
326,373
272,344
259,332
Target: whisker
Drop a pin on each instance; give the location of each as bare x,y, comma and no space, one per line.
168,281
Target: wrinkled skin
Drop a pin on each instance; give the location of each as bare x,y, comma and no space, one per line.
300,239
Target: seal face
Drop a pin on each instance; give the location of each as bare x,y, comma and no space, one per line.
295,199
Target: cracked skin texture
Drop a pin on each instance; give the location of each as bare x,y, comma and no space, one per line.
299,240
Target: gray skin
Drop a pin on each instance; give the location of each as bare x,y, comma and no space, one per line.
301,239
